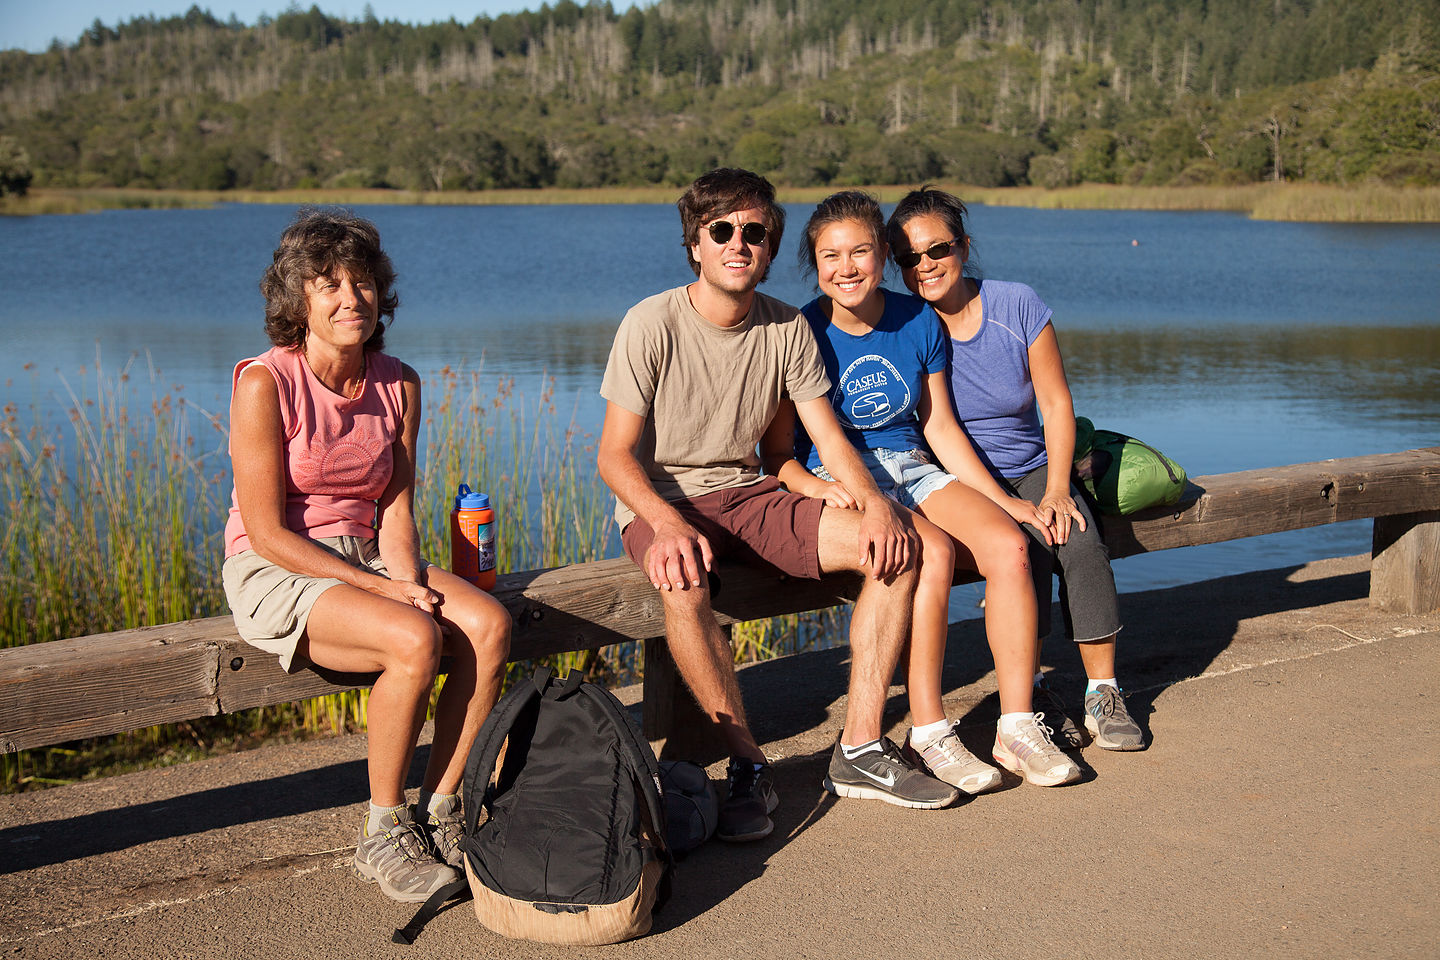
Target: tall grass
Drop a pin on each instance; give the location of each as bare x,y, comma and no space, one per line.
112,519
109,521
1324,203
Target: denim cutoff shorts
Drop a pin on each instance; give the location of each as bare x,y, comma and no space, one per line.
907,476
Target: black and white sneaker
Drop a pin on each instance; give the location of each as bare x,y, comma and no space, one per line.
884,774
750,798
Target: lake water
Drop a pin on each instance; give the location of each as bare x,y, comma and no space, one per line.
1228,343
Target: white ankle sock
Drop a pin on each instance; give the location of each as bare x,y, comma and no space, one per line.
439,804
378,814
1094,685
1009,722
852,752
928,733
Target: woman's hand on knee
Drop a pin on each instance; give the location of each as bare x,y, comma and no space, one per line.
1059,512
407,592
1023,511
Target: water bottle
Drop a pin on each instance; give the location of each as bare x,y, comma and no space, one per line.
472,538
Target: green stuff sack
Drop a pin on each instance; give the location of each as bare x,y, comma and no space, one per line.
1123,474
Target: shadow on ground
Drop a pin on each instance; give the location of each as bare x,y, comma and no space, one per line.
1170,634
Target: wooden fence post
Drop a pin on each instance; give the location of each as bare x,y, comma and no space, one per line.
1405,563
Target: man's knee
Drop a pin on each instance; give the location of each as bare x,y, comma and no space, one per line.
688,604
898,588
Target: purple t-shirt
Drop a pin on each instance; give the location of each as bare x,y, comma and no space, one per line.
990,382
879,376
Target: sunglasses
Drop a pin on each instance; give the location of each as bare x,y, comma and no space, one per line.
753,233
939,251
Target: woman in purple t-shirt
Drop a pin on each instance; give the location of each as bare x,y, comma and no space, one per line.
1008,385
885,355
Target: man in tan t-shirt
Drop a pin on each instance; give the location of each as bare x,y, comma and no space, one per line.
694,378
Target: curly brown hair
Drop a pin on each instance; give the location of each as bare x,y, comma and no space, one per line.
720,193
316,244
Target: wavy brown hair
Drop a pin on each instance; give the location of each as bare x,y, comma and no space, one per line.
720,193
317,244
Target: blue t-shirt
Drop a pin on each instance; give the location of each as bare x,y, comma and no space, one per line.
990,383
878,376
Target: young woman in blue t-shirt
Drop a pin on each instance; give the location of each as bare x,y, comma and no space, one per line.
885,354
1008,385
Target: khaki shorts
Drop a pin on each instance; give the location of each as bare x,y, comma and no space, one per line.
271,605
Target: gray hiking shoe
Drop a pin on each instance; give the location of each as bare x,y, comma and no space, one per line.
399,858
750,798
886,775
1112,725
445,831
1063,732
1031,753
949,761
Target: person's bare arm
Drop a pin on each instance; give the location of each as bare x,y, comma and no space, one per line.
887,541
679,554
397,538
1057,410
777,453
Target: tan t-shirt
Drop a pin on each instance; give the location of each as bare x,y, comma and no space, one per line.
707,393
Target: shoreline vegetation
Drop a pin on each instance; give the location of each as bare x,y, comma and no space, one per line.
1298,202
115,523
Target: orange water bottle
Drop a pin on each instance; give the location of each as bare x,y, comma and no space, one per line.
472,538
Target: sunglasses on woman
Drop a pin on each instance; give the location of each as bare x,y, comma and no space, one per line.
753,233
939,251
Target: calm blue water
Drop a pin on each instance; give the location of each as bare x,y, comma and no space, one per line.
1229,343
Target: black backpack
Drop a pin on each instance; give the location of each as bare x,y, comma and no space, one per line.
564,821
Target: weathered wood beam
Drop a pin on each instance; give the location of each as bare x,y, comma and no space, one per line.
114,682
1253,502
111,683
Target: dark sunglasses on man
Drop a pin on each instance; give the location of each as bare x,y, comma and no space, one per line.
753,233
939,251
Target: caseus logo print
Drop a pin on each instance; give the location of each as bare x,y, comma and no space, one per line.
870,393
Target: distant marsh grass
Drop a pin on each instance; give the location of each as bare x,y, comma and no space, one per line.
1373,203
1367,203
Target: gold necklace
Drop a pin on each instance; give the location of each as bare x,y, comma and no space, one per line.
359,382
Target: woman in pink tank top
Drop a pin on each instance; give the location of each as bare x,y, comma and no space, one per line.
322,560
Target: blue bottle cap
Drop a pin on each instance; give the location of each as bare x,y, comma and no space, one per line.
465,500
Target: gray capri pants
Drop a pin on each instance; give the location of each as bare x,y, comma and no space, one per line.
1087,584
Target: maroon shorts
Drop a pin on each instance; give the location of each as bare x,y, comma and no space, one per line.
759,524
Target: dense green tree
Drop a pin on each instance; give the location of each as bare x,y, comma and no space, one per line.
1141,91
15,174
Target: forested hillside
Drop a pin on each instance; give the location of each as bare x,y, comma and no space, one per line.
836,92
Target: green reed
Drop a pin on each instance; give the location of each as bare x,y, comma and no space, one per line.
112,519
116,527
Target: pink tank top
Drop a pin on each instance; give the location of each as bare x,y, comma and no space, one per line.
338,456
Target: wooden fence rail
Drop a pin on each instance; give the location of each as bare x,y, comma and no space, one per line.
114,682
